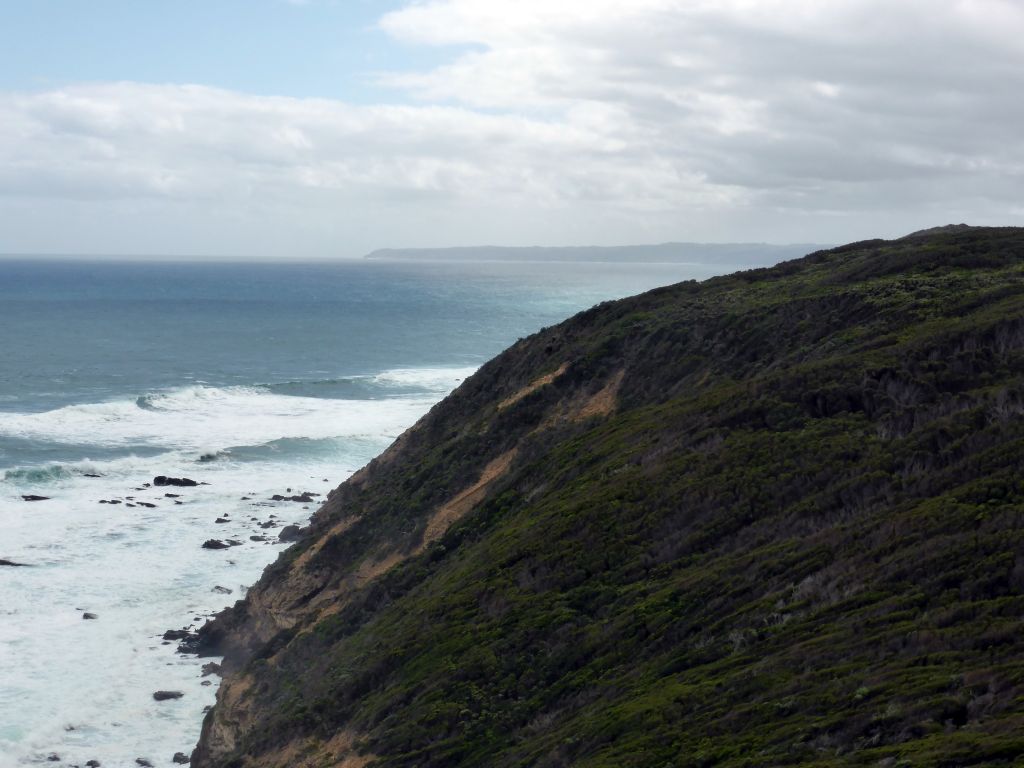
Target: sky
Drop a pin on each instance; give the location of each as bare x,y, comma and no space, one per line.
330,128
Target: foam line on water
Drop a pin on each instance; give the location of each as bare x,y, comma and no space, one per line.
142,569
204,418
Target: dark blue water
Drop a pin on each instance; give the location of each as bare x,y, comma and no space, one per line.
249,378
88,332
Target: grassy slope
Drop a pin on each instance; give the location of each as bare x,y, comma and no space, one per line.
799,540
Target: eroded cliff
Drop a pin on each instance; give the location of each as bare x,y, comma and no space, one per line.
771,518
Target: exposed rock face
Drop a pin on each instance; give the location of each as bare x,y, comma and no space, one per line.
167,695
162,480
773,518
306,497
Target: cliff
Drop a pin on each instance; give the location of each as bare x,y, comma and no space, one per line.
774,518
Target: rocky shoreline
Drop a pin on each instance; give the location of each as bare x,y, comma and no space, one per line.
267,528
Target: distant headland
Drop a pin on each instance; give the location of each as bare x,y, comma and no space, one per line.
729,253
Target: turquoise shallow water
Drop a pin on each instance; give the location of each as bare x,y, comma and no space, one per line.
254,378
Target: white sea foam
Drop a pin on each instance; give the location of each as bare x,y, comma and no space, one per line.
203,418
83,689
433,379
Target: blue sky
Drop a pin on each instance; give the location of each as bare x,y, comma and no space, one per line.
330,128
319,48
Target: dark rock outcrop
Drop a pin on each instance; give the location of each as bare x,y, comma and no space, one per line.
167,695
162,480
306,497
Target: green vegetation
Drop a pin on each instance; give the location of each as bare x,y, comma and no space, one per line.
799,540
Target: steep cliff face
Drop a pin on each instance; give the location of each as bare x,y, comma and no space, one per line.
771,518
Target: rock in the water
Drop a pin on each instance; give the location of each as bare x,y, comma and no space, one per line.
221,590
53,757
12,564
146,504
91,474
143,762
305,497
259,538
181,758
211,668
176,634
172,495
32,497
290,533
222,520
88,615
167,695
190,644
179,481
215,544
93,764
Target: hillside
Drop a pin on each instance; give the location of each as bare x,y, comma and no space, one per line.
774,518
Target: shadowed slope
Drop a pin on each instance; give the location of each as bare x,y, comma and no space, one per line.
772,518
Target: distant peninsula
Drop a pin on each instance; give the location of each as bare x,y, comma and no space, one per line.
663,253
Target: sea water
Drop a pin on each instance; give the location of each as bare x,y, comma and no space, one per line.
251,379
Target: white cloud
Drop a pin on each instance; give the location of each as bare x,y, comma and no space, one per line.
570,121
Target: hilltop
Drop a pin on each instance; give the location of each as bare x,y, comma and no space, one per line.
773,518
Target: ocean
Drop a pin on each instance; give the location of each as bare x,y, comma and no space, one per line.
253,380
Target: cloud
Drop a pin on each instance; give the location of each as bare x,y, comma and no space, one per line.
785,95
576,121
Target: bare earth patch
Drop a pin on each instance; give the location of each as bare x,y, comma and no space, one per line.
601,403
339,752
330,601
465,500
532,387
